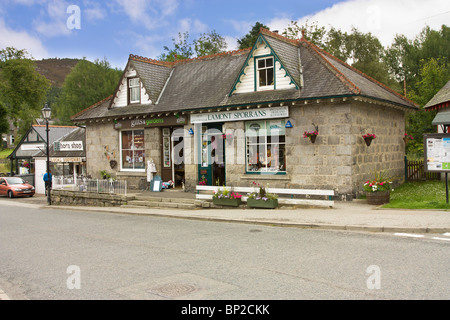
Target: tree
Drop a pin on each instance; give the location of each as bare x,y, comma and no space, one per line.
249,39
434,74
22,88
85,85
181,49
209,43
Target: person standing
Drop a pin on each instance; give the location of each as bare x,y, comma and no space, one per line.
48,181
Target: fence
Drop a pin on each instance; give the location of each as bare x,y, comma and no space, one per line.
415,171
90,185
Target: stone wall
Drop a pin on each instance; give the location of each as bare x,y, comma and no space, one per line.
65,197
339,159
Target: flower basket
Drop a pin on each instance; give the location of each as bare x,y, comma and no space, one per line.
312,135
261,203
368,138
227,202
407,137
378,190
378,198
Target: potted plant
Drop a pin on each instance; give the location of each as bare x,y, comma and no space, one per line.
368,137
260,198
311,135
203,181
226,197
378,190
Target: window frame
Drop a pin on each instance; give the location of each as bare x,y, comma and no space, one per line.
130,88
265,143
121,150
258,87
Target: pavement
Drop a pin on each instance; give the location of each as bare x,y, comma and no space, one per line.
354,215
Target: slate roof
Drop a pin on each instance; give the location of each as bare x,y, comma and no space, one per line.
440,99
206,82
54,133
76,134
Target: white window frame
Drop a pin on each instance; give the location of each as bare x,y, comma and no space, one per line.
121,152
251,142
258,69
134,86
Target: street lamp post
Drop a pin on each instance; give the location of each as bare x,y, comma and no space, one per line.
46,114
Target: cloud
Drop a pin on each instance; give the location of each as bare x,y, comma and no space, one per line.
53,21
148,13
21,40
383,18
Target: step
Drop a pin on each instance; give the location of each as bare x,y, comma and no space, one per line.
159,204
163,199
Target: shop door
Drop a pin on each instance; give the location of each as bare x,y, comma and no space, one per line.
172,156
211,169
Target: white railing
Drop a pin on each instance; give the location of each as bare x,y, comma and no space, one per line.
90,185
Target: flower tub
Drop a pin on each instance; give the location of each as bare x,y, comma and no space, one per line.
262,203
227,202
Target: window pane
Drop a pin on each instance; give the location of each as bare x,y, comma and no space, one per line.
139,139
135,94
269,62
127,139
262,78
261,63
269,77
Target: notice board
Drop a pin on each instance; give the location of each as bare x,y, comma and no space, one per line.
437,152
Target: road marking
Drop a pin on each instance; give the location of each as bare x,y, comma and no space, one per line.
447,234
438,238
409,235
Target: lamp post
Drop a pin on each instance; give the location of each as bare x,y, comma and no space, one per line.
46,114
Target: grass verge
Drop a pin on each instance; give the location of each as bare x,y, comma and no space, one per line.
419,195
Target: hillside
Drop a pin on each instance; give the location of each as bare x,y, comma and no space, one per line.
55,70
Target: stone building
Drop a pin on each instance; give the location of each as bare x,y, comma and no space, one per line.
239,117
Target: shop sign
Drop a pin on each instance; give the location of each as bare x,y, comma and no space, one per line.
68,146
241,115
150,122
66,159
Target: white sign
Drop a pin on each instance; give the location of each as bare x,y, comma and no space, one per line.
437,152
32,147
69,146
240,115
73,159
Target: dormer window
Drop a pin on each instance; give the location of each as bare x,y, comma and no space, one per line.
265,73
134,90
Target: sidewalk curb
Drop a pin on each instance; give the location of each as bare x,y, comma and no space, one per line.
273,223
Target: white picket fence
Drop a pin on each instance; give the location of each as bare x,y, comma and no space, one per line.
90,185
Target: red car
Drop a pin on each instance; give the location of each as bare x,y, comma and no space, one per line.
15,187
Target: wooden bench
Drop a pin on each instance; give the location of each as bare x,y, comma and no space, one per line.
327,194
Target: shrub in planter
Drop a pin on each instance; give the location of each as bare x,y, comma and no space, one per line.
260,198
227,198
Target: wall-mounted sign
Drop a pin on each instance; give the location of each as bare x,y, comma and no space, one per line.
151,122
32,147
68,146
67,159
241,115
437,152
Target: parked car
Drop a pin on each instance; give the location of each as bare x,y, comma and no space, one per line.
15,187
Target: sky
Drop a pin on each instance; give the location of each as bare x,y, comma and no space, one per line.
114,29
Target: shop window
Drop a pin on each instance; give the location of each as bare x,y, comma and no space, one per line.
133,150
265,73
134,90
265,146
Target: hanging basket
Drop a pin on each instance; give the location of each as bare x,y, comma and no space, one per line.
368,141
313,139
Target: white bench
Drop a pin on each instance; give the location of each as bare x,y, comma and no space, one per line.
278,191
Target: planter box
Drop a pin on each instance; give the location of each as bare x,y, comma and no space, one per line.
227,202
269,204
378,198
